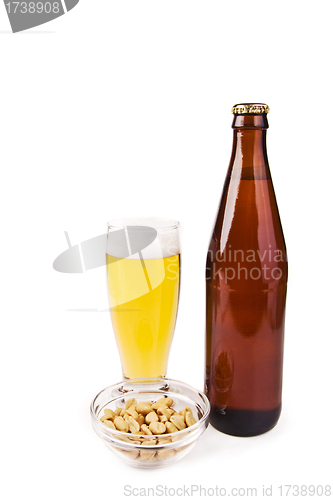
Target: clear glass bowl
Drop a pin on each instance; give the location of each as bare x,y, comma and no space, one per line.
150,451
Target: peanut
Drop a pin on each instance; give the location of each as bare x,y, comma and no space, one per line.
109,423
163,418
170,427
157,428
165,401
178,422
131,454
132,411
147,454
151,442
164,411
105,418
165,454
137,442
189,419
146,430
140,420
143,408
133,425
158,405
151,417
130,402
109,414
121,424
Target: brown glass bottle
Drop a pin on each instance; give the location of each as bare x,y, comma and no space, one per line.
246,280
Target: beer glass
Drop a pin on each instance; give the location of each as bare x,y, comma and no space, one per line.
143,279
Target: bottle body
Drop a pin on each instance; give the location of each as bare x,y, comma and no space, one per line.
246,282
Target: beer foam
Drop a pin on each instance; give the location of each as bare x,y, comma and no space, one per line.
148,238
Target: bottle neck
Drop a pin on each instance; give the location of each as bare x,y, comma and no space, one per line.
249,156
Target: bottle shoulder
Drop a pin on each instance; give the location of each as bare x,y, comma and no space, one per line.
248,214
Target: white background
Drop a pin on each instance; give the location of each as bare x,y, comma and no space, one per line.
122,108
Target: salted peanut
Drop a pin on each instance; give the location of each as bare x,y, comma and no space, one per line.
145,429
151,442
109,414
104,418
121,424
132,411
178,422
180,416
133,425
147,455
130,402
151,417
170,427
162,403
131,454
165,454
144,408
109,423
164,439
165,401
131,438
136,442
140,420
164,411
157,427
189,419
158,405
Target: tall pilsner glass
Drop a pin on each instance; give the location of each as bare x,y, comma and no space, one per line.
143,278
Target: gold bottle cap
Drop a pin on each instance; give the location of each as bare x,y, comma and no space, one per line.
250,108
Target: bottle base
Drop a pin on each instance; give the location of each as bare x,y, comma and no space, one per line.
244,423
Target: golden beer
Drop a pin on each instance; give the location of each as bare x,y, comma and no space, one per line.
143,296
143,325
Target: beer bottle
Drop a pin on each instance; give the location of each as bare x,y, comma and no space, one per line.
246,283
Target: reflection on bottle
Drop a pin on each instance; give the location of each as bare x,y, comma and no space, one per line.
247,291
277,306
223,377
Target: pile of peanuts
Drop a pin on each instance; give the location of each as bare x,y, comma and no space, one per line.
149,419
